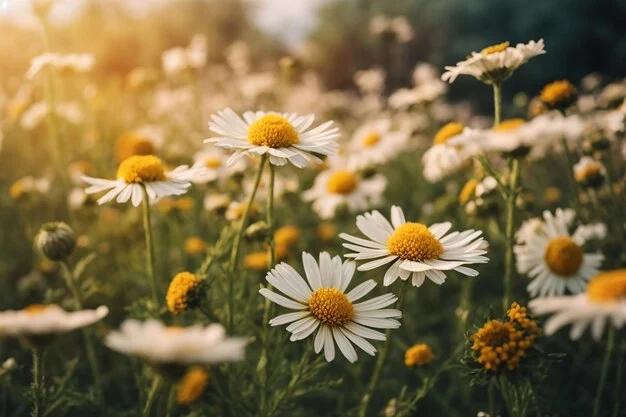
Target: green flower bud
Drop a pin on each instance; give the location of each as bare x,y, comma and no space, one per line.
56,241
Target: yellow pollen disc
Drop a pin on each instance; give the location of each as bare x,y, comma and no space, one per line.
213,163
192,385
468,191
509,125
418,355
495,48
286,235
413,241
195,245
557,91
179,291
331,307
608,286
140,168
371,139
274,131
563,256
342,182
35,309
448,131
588,171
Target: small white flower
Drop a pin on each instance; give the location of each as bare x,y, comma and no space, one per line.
178,59
284,137
43,320
604,299
452,148
370,81
375,143
143,172
321,303
414,249
213,161
216,202
157,343
554,258
60,62
588,171
335,188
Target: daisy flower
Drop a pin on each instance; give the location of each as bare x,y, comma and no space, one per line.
414,249
555,259
496,63
283,136
589,172
336,188
213,160
449,152
157,343
375,143
39,320
145,140
139,173
61,62
604,299
321,303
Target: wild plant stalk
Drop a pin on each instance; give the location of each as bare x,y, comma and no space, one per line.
617,393
147,229
234,254
610,346
157,381
38,390
70,279
380,361
569,160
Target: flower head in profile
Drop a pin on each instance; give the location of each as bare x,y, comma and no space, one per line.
449,152
61,63
159,344
554,258
414,249
337,187
285,137
192,385
558,95
496,63
322,305
145,140
143,174
183,292
604,299
589,172
375,143
213,160
418,355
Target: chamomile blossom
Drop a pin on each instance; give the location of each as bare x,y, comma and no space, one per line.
322,304
139,174
60,62
285,137
449,152
213,162
555,259
375,143
336,187
604,300
45,320
157,343
494,64
414,249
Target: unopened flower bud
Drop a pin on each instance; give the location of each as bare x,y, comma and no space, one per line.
56,241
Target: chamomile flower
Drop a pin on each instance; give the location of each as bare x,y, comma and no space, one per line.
145,140
157,343
60,62
496,63
335,188
555,259
284,137
321,304
414,249
46,320
213,160
604,299
589,172
448,153
375,143
139,173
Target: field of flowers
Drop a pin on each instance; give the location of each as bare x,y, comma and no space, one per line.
235,239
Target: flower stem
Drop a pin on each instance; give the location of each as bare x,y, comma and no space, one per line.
605,370
380,361
152,396
509,232
617,393
497,103
70,279
145,202
237,243
569,160
37,385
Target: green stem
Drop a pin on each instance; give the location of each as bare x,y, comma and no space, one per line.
152,396
37,385
237,243
70,279
497,103
569,160
491,394
380,361
149,246
617,393
605,370
509,232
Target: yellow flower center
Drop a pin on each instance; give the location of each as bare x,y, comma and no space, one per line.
192,385
448,131
413,241
274,131
495,48
342,182
418,355
468,191
195,245
35,309
509,125
331,307
557,92
140,168
587,171
326,231
563,256
286,235
371,139
608,286
180,291
213,162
